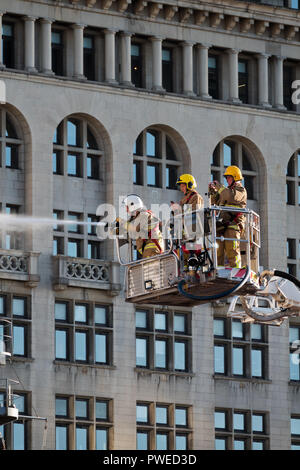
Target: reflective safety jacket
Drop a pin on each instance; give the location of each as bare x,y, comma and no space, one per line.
233,196
193,199
144,228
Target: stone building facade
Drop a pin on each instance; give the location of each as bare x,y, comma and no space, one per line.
110,97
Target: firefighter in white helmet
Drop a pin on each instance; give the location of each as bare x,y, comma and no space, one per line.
143,227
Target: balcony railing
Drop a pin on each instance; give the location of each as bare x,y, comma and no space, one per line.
82,272
20,265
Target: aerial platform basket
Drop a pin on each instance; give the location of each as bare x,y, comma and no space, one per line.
163,280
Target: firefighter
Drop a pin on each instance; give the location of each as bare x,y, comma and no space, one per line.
143,227
191,201
187,185
231,224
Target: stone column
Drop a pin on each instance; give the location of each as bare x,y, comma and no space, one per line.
187,49
203,70
110,60
263,80
278,78
233,55
78,50
46,46
157,63
29,22
126,58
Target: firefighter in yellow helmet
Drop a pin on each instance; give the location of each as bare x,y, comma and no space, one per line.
232,224
187,185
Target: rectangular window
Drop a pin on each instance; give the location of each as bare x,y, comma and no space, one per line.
163,426
101,348
137,172
161,353
74,248
57,162
240,430
288,78
213,76
78,424
73,162
89,57
57,52
8,45
61,338
136,65
238,361
92,167
141,352
11,156
180,355
81,346
153,174
167,70
171,177
243,81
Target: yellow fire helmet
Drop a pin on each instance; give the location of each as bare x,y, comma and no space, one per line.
235,172
189,180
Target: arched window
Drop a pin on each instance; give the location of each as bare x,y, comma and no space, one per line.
76,151
10,141
79,186
293,180
156,160
12,175
233,152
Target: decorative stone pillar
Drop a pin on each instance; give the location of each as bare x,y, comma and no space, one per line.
278,76
187,48
203,70
29,22
263,80
110,60
157,63
78,50
126,58
233,55
46,46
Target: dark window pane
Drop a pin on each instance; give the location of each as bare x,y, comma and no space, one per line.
57,52
94,250
91,142
136,65
171,177
89,57
137,172
213,77
11,156
57,162
167,70
249,185
243,81
93,167
8,45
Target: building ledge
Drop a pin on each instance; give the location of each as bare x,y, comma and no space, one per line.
141,371
84,365
18,265
86,273
243,379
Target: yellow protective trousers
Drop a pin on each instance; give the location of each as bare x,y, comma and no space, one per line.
230,249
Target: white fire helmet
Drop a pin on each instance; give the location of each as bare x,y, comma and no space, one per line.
133,202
